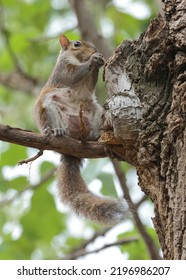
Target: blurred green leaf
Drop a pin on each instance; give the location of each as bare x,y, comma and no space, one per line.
71,242
13,155
18,183
137,250
93,168
46,167
4,184
108,187
140,253
43,213
18,42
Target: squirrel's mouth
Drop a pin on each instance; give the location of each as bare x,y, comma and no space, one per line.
82,57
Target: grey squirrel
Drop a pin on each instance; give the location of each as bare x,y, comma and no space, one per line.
67,106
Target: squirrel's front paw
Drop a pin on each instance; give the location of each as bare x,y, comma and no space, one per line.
54,131
97,59
58,131
47,131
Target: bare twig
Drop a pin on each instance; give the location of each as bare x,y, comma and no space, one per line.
90,240
151,247
143,199
84,252
39,154
84,244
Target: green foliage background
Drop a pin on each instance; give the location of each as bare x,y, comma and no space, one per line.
32,225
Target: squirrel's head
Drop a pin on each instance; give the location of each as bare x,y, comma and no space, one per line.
80,49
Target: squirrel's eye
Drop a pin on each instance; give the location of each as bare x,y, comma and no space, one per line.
77,44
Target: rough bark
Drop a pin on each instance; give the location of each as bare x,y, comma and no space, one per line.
149,75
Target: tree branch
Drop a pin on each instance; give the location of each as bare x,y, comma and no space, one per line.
143,199
18,81
6,33
152,249
88,28
83,252
81,248
92,239
62,145
51,37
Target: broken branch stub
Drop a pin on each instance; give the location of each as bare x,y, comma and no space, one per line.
123,110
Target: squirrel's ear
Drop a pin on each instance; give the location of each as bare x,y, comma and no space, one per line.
64,41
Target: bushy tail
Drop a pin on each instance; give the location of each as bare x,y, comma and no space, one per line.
73,192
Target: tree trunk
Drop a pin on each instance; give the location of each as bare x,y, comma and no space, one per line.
146,113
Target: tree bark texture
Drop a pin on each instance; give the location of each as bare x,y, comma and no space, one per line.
146,113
